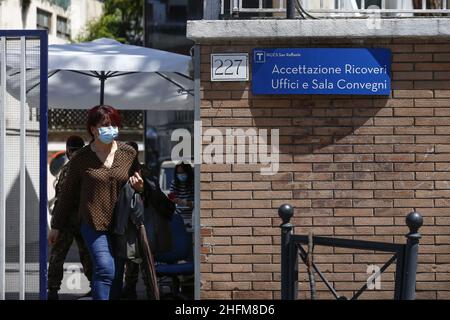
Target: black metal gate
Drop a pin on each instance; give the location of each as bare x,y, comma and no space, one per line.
405,256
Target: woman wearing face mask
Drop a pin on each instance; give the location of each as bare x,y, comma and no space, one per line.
95,177
182,192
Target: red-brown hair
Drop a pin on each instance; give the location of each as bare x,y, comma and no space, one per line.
99,113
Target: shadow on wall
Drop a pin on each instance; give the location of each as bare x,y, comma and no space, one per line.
311,125
317,136
32,221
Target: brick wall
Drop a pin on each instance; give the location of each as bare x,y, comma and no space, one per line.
352,166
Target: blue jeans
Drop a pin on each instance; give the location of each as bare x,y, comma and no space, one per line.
107,278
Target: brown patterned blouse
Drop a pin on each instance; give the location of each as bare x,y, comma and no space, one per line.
93,188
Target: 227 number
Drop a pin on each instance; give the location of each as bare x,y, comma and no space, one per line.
225,65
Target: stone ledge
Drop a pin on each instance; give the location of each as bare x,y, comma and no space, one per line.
203,30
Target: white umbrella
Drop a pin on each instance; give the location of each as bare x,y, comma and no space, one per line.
107,72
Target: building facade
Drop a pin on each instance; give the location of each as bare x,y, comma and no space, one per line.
65,20
352,166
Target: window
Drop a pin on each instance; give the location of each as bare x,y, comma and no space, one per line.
62,28
44,20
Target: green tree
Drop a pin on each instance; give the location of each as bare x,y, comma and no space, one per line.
121,20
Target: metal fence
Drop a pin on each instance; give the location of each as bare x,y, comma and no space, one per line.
405,256
335,8
23,167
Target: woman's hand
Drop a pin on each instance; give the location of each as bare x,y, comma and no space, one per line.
137,182
53,236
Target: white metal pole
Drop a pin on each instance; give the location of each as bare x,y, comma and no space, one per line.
2,167
23,87
197,163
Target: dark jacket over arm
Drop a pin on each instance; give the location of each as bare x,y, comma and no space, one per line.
128,213
68,198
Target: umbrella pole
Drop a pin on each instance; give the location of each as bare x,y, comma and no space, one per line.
102,87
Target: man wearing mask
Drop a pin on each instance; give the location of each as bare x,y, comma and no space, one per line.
71,232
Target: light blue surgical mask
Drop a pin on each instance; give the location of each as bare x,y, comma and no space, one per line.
182,177
108,134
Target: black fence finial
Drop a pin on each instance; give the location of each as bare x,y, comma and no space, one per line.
414,221
285,212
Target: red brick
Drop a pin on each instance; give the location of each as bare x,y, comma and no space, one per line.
372,221
216,276
272,194
252,258
232,194
373,149
252,276
211,204
279,185
313,176
332,185
413,94
353,212
373,166
214,295
354,194
233,231
434,121
392,121
413,130
250,185
353,157
394,157
442,93
232,176
409,185
414,148
433,175
232,250
414,166
319,194
360,203
332,221
250,204
412,57
433,157
372,185
413,203
432,194
252,295
394,139
394,194
331,203
244,222
394,176
441,184
231,285
355,176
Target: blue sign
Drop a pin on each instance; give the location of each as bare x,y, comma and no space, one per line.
356,71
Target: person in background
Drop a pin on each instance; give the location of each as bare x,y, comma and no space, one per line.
182,192
71,232
94,180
